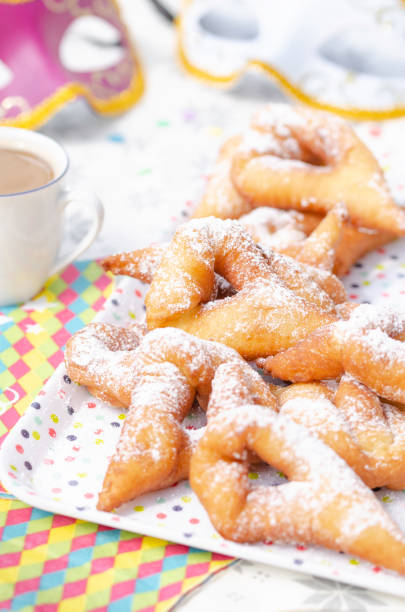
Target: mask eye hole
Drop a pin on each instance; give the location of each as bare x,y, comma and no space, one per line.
90,44
6,75
235,22
353,50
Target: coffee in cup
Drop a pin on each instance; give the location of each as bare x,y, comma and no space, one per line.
22,171
33,198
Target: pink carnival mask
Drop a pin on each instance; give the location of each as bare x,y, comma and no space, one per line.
31,32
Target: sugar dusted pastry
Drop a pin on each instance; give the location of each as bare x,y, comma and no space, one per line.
221,199
288,299
277,229
90,356
158,381
324,502
140,264
143,263
310,160
312,238
319,249
367,433
356,242
369,345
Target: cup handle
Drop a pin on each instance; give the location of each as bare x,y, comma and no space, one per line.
92,203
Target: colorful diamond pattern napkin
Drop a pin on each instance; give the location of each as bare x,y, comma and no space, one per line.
32,336
50,562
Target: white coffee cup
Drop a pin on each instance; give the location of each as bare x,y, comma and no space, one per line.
31,222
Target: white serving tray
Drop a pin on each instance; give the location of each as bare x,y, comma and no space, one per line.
56,455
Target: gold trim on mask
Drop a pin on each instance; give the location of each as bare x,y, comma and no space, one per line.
290,88
35,117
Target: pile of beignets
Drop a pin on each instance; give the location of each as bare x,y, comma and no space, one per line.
253,280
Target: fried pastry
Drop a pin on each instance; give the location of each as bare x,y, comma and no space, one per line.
302,278
278,299
324,503
318,249
158,381
369,345
221,199
278,229
288,232
141,263
310,160
368,434
355,243
98,345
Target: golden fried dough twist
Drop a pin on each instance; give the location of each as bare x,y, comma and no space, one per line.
324,503
100,356
278,299
355,243
369,345
319,249
143,263
158,381
221,199
367,434
336,167
278,229
301,149
306,236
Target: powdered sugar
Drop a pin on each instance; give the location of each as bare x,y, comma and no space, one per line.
260,143
368,316
274,228
307,202
378,183
317,414
272,162
198,247
280,117
210,234
274,218
293,511
371,327
385,349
